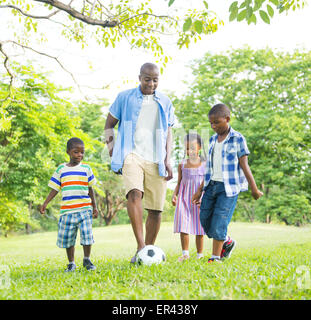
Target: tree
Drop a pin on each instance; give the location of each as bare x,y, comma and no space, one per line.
32,144
142,23
268,95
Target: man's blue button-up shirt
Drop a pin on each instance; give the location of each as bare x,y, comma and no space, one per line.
126,109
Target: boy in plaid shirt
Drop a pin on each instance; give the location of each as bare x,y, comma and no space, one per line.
227,174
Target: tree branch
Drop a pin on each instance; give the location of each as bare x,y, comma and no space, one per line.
38,52
147,14
27,14
9,71
78,15
93,7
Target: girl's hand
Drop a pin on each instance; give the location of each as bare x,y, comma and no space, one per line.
174,200
257,194
196,198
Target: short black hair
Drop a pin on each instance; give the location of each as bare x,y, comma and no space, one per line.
72,142
148,65
219,110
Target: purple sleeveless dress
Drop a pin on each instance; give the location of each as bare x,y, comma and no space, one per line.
187,214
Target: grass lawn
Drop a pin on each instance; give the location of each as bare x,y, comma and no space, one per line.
269,262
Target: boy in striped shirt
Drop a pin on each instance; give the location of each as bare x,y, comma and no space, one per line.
78,206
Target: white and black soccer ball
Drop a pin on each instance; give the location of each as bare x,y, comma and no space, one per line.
150,254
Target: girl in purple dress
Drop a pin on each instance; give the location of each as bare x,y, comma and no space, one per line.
187,215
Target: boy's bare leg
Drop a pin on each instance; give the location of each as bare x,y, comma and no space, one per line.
153,223
217,247
71,254
87,251
135,212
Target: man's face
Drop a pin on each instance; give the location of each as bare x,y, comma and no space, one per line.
149,79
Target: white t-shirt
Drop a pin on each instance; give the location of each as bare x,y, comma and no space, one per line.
217,162
145,137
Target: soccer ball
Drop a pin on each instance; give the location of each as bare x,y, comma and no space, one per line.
150,254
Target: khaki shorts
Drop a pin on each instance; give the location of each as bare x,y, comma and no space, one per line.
144,175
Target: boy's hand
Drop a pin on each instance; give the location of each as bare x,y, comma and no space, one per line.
257,194
95,213
174,200
196,198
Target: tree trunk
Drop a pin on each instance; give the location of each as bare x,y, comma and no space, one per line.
27,226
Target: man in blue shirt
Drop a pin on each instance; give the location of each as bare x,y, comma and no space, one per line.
142,150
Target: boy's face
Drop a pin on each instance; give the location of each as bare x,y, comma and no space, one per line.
219,124
76,154
149,79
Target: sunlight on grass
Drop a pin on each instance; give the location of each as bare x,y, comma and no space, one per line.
267,264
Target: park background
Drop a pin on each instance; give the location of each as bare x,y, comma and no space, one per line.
261,71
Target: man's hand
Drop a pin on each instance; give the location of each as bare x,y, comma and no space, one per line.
42,209
169,171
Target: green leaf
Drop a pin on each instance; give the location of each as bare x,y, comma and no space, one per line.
243,5
233,6
242,15
275,2
264,16
198,26
171,2
252,19
270,11
187,25
233,15
205,4
249,12
234,12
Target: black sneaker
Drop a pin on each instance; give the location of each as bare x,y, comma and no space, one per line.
71,267
227,248
88,264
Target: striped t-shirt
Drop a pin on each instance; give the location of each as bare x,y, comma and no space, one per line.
74,182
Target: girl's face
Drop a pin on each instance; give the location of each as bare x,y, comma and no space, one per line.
192,149
76,154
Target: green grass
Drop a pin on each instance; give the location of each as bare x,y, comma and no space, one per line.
270,262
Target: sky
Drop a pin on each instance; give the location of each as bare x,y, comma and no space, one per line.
118,68
114,70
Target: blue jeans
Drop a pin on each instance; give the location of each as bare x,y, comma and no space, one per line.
216,210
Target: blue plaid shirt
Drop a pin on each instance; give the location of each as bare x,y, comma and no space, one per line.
234,147
126,109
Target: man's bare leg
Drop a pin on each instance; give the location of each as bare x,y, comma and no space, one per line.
135,212
153,223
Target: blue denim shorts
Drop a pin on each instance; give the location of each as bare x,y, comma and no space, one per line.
216,210
68,226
